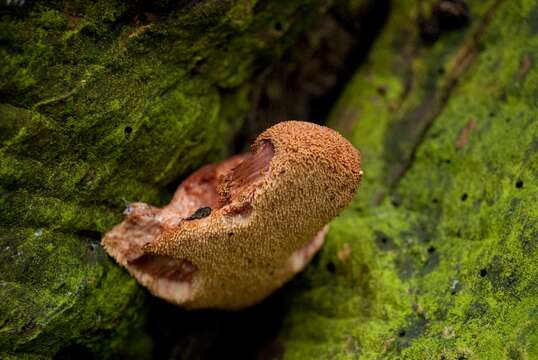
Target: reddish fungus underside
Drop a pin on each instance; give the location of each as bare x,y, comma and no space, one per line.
238,230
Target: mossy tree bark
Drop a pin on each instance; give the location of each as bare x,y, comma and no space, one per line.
111,102
437,256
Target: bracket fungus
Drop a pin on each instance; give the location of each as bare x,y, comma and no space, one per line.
236,231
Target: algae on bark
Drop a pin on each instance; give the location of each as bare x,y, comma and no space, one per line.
437,256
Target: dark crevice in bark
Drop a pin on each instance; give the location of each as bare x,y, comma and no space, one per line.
413,127
307,81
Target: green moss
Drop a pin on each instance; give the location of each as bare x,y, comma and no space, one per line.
442,233
105,103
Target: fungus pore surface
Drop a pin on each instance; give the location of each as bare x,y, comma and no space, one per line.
236,231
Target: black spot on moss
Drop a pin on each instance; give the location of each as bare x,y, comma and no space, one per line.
383,241
396,200
127,131
483,272
331,267
382,90
92,247
278,26
414,329
519,184
464,196
431,249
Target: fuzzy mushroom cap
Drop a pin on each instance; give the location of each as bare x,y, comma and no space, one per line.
238,230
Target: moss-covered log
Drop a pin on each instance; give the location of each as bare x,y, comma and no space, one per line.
437,257
109,102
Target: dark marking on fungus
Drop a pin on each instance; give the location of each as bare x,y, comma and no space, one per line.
200,213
